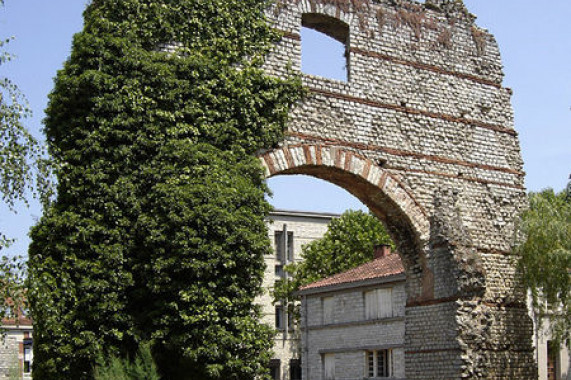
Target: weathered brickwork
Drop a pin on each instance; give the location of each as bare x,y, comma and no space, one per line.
423,133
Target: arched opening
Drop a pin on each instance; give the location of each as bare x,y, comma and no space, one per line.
312,213
354,182
324,42
449,215
307,193
431,272
384,195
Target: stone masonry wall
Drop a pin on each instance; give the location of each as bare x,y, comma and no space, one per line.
423,133
11,354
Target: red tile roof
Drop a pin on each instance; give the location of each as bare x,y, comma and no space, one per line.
382,267
22,321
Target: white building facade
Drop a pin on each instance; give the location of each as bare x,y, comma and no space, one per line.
288,231
552,361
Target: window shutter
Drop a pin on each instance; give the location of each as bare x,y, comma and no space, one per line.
290,255
328,310
279,242
329,366
385,299
371,303
279,317
369,364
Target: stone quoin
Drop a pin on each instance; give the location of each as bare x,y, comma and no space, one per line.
422,132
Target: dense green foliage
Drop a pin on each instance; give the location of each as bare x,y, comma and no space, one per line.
545,258
157,233
349,242
115,368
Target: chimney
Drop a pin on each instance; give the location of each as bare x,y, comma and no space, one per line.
382,250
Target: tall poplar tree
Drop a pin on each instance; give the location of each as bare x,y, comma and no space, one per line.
157,233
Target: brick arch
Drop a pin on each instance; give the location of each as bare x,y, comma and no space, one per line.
320,160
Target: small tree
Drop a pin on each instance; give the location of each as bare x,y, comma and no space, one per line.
545,258
115,368
349,242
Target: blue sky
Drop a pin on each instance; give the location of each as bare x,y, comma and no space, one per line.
534,38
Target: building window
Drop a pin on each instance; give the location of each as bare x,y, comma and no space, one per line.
324,46
290,321
28,355
327,307
275,369
378,363
279,317
295,369
279,270
329,367
283,318
379,303
284,245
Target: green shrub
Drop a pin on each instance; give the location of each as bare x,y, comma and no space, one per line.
115,368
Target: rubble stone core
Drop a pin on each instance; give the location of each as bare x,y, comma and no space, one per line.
423,133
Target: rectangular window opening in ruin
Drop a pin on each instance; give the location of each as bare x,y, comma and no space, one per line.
324,47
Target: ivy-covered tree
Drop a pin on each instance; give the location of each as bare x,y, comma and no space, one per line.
157,233
350,241
545,258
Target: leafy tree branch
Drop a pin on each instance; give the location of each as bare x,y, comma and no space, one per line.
349,242
23,169
545,258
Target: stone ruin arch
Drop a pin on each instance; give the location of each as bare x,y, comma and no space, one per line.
423,133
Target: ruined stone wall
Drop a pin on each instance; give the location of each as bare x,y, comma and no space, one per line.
425,105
